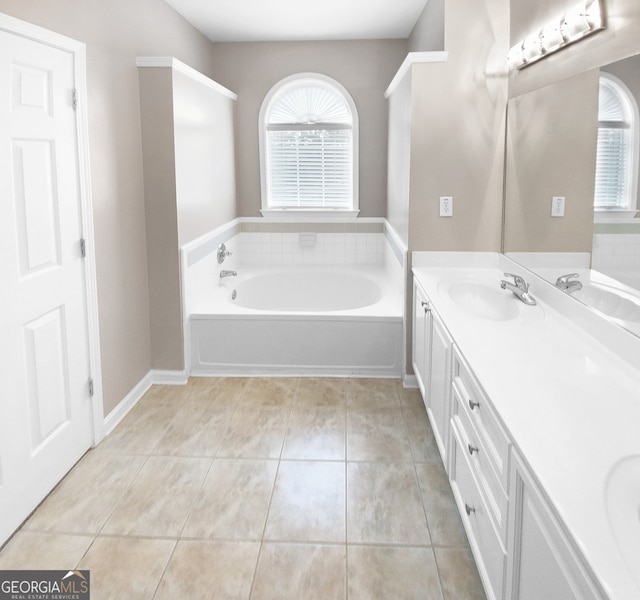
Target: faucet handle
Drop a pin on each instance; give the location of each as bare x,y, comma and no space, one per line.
222,253
519,281
564,279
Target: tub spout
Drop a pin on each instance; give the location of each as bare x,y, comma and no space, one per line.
224,273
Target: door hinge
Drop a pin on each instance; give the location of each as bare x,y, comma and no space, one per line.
83,248
90,386
74,99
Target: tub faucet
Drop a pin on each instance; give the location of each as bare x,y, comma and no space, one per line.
520,289
224,273
568,286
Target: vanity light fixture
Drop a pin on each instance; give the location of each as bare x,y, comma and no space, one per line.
578,22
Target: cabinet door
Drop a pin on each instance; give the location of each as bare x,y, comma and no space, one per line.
439,386
421,332
544,563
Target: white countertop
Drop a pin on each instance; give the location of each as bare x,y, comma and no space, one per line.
571,406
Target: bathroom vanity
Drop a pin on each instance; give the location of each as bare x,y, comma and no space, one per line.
536,419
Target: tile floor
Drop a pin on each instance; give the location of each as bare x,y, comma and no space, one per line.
278,488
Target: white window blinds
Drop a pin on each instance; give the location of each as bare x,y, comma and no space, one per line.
309,147
614,169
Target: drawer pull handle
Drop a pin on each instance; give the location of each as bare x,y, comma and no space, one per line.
472,449
473,404
424,303
469,509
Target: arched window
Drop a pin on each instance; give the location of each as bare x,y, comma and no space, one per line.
617,155
309,147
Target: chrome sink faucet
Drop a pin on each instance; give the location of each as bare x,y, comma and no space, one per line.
568,286
520,289
225,273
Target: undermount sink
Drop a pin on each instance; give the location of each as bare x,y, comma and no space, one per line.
483,301
623,510
613,303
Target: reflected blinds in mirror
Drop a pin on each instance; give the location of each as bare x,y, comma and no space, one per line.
613,163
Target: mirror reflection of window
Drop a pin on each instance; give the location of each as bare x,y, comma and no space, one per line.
617,155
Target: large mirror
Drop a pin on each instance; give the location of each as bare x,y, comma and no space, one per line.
555,135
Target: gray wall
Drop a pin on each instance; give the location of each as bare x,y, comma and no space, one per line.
551,151
458,121
115,32
364,68
156,109
189,176
428,33
204,120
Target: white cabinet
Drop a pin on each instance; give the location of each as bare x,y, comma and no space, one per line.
439,388
543,561
421,333
432,366
479,476
520,547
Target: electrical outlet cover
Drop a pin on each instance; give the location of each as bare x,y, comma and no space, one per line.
446,206
557,206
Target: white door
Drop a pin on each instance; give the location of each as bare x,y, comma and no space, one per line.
46,419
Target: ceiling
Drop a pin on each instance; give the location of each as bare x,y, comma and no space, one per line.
289,20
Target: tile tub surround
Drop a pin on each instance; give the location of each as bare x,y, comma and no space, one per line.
263,489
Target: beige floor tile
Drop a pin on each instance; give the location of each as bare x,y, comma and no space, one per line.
269,391
31,550
233,501
209,571
372,393
84,499
459,575
300,571
445,525
423,443
196,430
377,435
217,391
167,395
384,505
409,397
308,502
255,433
385,572
158,501
124,567
141,429
320,391
315,434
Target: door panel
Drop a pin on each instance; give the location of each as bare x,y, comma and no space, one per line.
46,420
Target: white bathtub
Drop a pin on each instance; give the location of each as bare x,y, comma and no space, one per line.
296,320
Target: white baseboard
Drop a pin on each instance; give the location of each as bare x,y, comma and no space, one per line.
169,377
154,376
410,382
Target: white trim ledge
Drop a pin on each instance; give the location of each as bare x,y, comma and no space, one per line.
294,214
414,58
177,65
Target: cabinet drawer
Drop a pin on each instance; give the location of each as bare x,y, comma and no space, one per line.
483,467
483,418
484,540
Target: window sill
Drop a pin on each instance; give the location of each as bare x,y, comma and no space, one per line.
616,216
292,214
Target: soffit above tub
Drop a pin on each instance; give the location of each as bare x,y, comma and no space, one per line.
295,20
